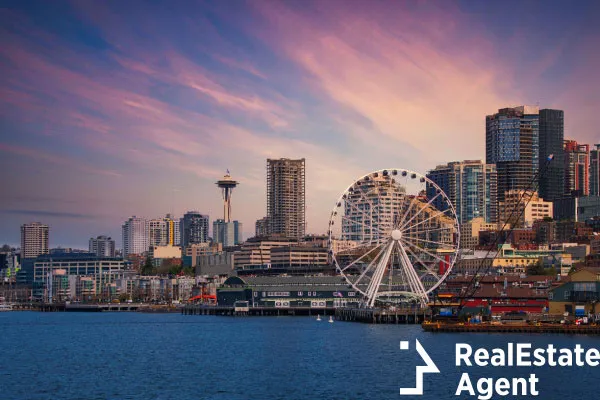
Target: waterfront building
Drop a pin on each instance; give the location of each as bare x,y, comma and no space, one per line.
51,273
469,232
471,186
286,197
577,164
102,246
577,296
194,227
288,291
512,143
261,227
34,239
551,132
595,171
521,208
135,236
227,233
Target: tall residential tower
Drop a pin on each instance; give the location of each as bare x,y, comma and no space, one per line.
34,240
135,236
286,197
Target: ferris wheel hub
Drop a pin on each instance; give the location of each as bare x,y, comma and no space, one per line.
396,234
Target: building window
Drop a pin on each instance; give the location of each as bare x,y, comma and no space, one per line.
567,295
300,293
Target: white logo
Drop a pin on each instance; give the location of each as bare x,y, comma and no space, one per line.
430,368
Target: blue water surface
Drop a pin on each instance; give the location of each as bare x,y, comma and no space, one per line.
171,356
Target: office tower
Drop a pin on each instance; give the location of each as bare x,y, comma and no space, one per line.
470,185
552,128
135,236
286,197
595,171
228,233
194,227
512,143
577,165
34,240
102,246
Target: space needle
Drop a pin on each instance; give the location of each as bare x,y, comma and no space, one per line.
227,185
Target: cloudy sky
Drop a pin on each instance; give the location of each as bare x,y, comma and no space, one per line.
120,108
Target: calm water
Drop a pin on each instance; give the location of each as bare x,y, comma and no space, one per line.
146,356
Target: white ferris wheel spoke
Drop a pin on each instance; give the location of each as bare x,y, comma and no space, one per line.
420,261
363,274
361,257
425,206
430,241
423,250
427,220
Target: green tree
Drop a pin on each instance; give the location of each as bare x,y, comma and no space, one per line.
148,267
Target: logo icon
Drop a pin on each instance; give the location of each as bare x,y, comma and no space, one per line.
428,368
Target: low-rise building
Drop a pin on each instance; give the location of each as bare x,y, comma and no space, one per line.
469,232
521,209
579,295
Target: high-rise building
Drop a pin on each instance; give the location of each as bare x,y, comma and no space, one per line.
34,240
595,171
135,236
512,143
552,128
102,246
286,197
194,228
228,233
470,185
577,165
158,232
164,231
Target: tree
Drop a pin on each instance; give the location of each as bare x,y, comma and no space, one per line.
148,267
6,248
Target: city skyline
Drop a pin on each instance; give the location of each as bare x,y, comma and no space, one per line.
106,116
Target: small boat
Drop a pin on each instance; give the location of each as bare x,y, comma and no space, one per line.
5,307
318,317
330,319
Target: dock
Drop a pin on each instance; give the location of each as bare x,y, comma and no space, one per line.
570,329
199,309
382,316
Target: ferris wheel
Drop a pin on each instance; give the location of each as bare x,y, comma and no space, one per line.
394,234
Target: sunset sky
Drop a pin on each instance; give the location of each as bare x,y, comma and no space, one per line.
120,108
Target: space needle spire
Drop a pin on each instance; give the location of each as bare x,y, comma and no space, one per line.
227,184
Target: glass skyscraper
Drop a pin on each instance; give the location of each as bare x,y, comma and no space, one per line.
552,130
194,228
512,143
470,185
